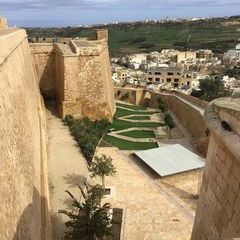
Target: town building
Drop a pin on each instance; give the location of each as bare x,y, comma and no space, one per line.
177,77
186,57
233,54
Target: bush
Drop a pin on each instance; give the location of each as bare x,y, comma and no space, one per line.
87,133
162,105
88,219
125,96
210,89
169,121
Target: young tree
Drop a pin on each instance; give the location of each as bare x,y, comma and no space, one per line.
161,105
169,122
88,219
102,167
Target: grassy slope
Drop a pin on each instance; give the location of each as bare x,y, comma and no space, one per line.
126,145
120,124
124,112
138,134
131,38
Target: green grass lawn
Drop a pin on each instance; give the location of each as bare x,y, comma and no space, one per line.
138,134
134,107
124,112
127,145
139,117
121,124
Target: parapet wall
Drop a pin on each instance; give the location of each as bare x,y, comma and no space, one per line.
191,118
218,213
23,191
196,101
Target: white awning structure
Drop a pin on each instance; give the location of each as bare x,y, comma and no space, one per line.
172,159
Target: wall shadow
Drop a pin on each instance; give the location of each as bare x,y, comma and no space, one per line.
36,221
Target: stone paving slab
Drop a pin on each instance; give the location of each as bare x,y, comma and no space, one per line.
66,168
150,212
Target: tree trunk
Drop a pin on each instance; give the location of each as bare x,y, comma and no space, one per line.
103,183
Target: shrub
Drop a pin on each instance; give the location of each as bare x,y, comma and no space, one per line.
87,133
210,89
125,96
88,219
162,105
169,121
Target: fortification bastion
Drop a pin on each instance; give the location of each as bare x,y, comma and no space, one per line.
78,75
218,213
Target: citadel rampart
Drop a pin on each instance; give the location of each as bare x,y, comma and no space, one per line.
77,75
23,175
218,213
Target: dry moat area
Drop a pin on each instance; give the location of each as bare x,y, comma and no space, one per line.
153,207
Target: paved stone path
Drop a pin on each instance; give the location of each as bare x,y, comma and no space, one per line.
201,110
66,168
139,110
113,134
151,212
155,117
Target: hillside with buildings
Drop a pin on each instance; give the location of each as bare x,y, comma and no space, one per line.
141,146
218,34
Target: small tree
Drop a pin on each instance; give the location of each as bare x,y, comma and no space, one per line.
88,219
169,122
102,167
161,105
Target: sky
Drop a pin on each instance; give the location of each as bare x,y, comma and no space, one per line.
47,13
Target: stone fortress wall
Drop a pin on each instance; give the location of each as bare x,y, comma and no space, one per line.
44,59
78,75
23,175
218,213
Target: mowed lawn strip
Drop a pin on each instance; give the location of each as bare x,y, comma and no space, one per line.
139,117
124,112
138,134
121,124
127,145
